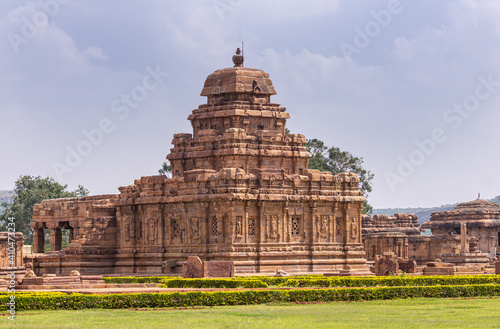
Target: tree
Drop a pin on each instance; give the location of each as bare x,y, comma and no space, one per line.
165,169
336,161
29,191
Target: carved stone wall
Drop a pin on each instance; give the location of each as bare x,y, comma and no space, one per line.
11,253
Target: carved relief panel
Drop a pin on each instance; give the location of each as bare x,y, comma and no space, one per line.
149,225
354,229
125,217
272,226
272,219
238,230
152,231
195,226
339,228
178,224
354,220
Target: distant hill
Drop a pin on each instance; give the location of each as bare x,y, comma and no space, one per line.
424,214
5,196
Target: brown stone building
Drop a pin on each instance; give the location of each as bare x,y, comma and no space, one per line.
240,191
400,234
382,234
482,220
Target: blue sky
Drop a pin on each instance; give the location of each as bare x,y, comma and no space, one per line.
91,92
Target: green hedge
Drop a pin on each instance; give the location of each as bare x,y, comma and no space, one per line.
52,301
276,281
136,279
215,283
309,281
388,281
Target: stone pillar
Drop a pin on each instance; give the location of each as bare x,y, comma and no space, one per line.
261,226
55,239
38,240
346,232
287,225
71,235
359,224
313,210
464,247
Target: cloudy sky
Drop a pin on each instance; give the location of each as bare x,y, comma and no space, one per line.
91,91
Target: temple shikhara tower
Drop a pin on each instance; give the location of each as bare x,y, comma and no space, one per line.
240,191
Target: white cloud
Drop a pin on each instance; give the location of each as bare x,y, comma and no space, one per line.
95,52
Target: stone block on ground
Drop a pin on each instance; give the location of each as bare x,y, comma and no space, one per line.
192,268
218,269
386,264
407,266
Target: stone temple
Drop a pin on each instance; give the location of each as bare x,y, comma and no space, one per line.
240,191
480,217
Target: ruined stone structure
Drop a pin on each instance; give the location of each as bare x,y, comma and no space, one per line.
400,234
461,237
240,192
481,217
11,253
398,223
383,234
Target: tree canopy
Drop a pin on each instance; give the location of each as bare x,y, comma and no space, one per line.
29,191
165,169
334,160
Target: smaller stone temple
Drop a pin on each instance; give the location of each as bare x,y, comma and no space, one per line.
461,240
480,217
382,234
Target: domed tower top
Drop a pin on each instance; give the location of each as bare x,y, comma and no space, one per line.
239,127
476,213
238,83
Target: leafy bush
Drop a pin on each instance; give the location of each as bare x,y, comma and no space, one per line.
57,300
215,283
136,279
309,281
391,281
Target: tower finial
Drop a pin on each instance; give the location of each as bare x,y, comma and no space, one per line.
479,195
238,58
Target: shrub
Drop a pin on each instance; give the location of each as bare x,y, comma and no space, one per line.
391,281
135,279
57,300
238,282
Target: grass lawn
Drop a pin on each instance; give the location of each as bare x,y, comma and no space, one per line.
410,313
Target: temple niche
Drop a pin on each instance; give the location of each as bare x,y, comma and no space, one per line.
240,191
